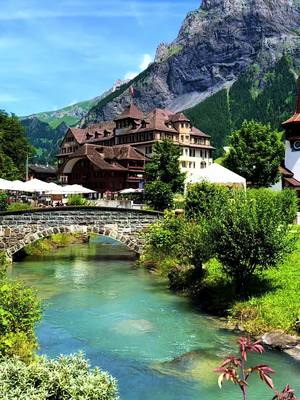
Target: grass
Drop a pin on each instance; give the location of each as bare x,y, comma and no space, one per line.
279,307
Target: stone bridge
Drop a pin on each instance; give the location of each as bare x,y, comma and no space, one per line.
21,228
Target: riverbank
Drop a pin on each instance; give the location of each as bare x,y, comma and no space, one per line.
271,313
54,242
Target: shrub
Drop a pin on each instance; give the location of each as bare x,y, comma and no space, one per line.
76,200
252,234
205,199
19,206
19,311
3,201
158,195
65,378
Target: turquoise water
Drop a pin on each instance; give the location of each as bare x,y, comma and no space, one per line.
128,323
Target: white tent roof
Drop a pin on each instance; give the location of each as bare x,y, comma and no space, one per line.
130,190
76,189
216,173
35,186
4,184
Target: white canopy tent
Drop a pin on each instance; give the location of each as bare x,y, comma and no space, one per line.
216,173
76,189
130,191
35,186
4,184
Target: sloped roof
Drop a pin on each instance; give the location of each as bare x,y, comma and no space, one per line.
106,157
197,132
179,117
130,112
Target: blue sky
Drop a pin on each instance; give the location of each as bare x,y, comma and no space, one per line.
54,53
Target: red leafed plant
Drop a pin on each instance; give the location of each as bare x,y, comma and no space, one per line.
234,369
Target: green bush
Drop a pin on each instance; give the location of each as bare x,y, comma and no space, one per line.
3,201
158,195
20,309
76,200
68,377
19,206
252,233
205,199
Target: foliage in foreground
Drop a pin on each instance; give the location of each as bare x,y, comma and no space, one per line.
68,377
20,309
236,370
249,233
158,195
3,201
252,234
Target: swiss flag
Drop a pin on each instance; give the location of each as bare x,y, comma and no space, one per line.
132,91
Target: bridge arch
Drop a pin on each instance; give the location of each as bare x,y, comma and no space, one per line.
19,229
44,233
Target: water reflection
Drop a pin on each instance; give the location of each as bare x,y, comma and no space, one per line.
128,322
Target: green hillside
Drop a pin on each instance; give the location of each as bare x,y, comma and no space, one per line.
268,98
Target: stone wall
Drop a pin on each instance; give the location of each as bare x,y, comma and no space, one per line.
18,229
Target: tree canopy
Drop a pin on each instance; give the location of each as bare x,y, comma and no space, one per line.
256,152
164,166
14,147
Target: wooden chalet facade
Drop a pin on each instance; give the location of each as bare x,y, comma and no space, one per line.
110,156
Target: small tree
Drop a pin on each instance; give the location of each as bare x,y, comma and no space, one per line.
236,370
158,195
256,152
252,233
205,199
164,166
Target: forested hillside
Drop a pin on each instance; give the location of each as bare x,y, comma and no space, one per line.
268,98
14,147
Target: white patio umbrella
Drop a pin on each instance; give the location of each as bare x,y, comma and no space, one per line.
4,184
53,188
77,189
130,191
36,186
17,186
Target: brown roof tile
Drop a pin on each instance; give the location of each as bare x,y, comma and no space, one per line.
131,112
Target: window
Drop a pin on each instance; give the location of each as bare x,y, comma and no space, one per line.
201,153
192,153
203,164
182,138
186,151
183,164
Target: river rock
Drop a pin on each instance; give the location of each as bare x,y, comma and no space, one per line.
280,341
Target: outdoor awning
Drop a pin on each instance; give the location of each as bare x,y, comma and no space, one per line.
76,189
216,173
35,186
130,191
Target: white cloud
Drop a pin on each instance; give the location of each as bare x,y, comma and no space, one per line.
130,75
146,60
109,8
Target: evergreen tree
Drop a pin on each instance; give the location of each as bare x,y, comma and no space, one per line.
14,147
164,166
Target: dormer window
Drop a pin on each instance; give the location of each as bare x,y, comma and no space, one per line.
97,134
88,136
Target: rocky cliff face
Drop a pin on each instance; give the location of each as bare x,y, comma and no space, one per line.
216,43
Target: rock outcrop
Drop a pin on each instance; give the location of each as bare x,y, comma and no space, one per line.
216,43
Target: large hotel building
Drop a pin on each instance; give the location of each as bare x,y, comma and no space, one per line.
111,156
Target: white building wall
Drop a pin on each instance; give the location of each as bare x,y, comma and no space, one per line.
292,160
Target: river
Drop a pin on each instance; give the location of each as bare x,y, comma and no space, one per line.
128,323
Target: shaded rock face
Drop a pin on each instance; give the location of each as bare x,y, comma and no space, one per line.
216,43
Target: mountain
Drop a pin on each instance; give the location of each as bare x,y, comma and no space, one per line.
232,60
268,97
216,45
45,130
44,138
